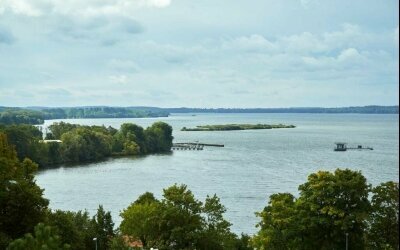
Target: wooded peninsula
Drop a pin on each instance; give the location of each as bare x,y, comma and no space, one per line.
73,143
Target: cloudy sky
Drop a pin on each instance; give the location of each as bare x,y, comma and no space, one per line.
199,53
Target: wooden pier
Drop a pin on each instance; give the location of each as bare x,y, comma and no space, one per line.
193,145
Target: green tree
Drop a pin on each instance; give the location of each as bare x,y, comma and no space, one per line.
334,204
134,133
65,225
26,139
158,137
58,129
119,243
216,232
179,221
77,229
278,223
83,144
22,205
44,239
383,230
103,228
330,205
140,220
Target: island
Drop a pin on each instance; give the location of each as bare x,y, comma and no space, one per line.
228,127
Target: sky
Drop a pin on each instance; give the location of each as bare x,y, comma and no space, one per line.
199,53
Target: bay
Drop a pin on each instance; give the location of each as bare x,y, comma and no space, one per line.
253,164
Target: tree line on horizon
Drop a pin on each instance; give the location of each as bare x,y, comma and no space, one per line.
330,205
372,109
37,115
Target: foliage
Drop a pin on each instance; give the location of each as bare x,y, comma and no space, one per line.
44,239
140,220
178,221
330,206
278,224
86,143
383,222
119,243
58,129
22,205
103,112
158,137
34,116
83,144
77,229
373,109
25,138
10,116
103,228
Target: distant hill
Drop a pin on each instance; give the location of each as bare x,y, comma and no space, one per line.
37,115
373,109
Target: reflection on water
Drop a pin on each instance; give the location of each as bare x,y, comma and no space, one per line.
253,164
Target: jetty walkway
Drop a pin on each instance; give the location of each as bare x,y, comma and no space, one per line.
193,145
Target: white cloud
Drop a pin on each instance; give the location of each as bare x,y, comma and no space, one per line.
349,54
123,65
118,79
159,3
35,8
253,43
252,53
350,36
303,43
21,7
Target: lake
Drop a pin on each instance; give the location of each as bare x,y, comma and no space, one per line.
253,164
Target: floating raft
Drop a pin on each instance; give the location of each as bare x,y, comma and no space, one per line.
193,146
342,146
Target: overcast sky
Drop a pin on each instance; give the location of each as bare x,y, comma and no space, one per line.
199,53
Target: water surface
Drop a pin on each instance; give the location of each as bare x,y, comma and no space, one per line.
253,164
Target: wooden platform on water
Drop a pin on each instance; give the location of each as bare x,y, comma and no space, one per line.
193,145
342,146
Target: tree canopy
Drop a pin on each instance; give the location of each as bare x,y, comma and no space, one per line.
22,205
179,221
81,143
329,207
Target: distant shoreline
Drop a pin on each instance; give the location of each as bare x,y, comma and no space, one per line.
373,109
37,115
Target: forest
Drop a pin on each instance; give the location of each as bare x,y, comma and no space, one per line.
372,109
37,115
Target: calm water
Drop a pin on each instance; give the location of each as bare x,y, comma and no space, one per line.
253,164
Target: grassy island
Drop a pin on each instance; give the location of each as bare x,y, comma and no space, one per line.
228,127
